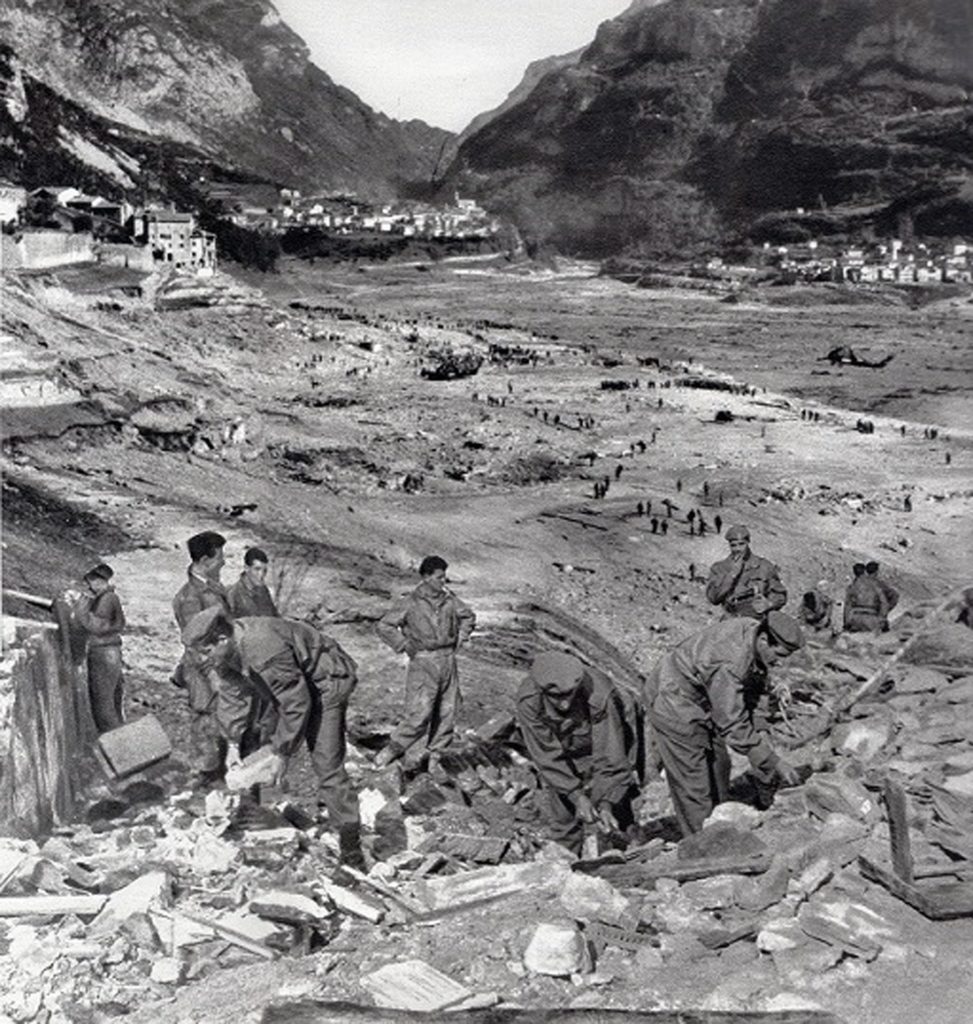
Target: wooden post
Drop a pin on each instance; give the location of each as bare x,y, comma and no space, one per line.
899,831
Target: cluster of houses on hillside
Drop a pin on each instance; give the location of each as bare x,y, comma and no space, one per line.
893,261
271,209
156,235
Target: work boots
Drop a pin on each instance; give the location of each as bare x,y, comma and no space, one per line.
349,847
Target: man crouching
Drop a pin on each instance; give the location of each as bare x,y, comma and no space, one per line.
576,731
306,679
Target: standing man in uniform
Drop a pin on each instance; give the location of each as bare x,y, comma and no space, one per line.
700,699
201,590
744,584
307,678
428,626
889,592
583,742
100,615
866,606
250,595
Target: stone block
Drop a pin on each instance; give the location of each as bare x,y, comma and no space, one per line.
133,746
254,770
491,883
780,934
557,949
414,985
712,893
962,785
828,793
756,894
916,679
811,878
853,927
167,971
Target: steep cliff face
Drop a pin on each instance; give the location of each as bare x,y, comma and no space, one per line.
689,120
225,77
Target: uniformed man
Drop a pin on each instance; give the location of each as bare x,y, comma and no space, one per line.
890,593
201,590
582,735
700,699
307,678
866,606
816,609
250,595
428,626
744,584
100,615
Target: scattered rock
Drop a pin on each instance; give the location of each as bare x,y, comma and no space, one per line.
731,812
137,898
863,738
780,934
828,793
167,971
915,679
556,949
720,840
287,908
588,898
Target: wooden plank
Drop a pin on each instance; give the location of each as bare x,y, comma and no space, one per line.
348,1013
407,903
230,934
945,902
413,985
899,831
638,875
21,906
351,903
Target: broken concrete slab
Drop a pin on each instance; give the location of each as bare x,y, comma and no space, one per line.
288,907
415,986
133,746
828,793
352,903
478,849
151,891
484,884
556,949
780,934
853,927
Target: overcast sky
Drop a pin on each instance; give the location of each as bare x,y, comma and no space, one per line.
440,60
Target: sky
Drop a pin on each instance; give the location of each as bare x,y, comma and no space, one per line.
443,61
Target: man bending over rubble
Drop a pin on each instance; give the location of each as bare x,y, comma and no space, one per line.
583,745
201,590
428,626
700,699
307,679
745,584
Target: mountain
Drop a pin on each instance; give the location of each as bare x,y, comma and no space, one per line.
690,122
224,79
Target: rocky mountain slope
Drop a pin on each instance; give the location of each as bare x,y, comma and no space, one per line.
690,120
225,78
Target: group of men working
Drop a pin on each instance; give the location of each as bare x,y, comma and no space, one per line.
253,678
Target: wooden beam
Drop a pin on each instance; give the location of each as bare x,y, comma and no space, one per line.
22,595
21,906
230,934
899,831
645,875
944,902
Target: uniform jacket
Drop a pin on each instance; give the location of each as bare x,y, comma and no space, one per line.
195,595
102,618
866,606
279,660
712,678
890,593
734,585
426,621
245,599
592,734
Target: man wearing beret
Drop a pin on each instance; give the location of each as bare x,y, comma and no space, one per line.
307,679
201,590
700,699
102,618
744,584
582,740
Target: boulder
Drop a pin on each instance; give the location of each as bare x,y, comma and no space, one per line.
864,738
588,898
733,813
556,949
